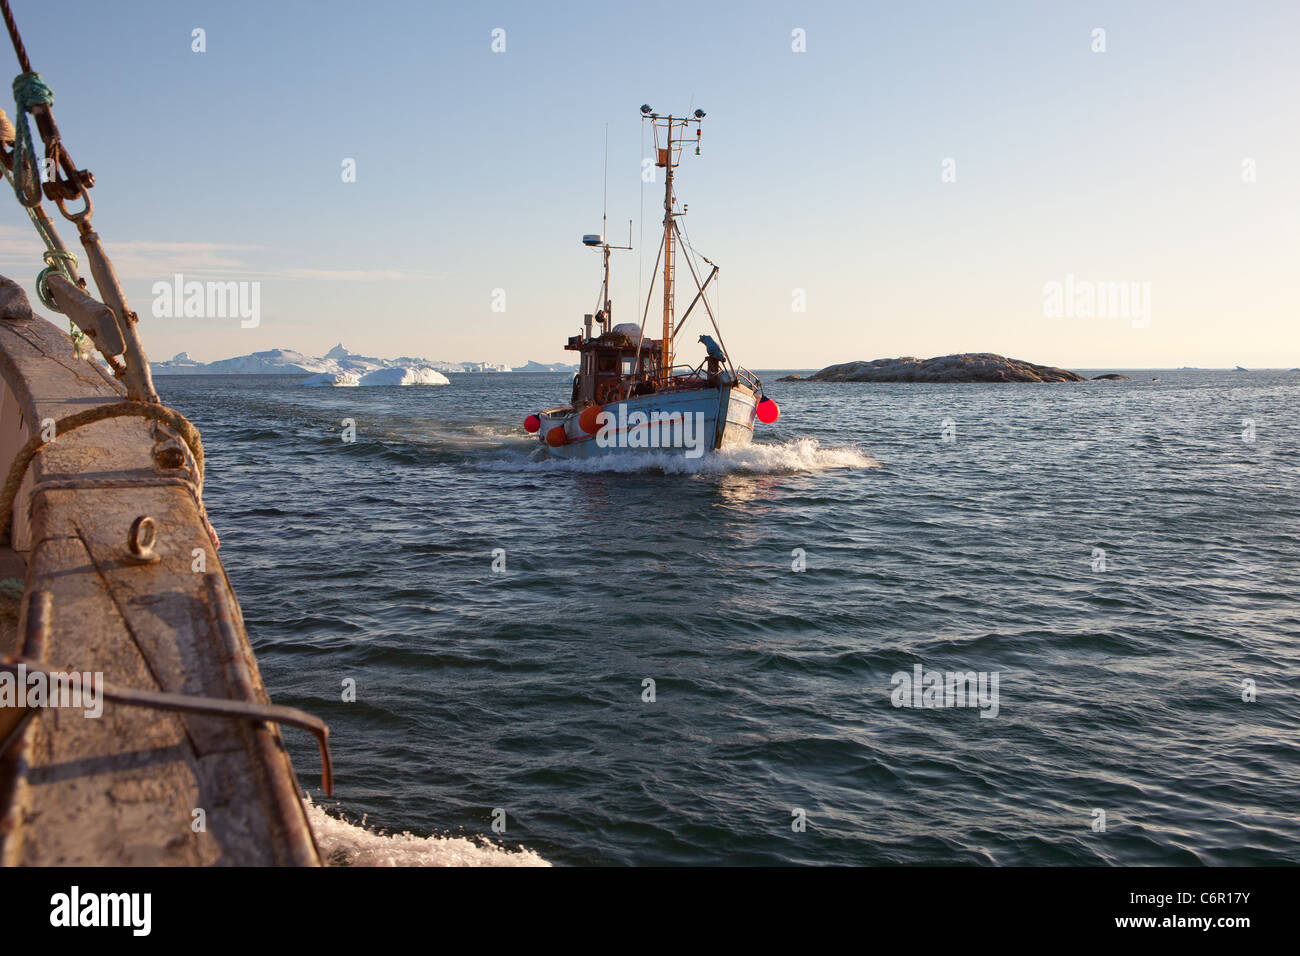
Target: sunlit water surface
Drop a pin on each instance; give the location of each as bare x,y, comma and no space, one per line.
1120,690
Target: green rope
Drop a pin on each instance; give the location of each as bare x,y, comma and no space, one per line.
30,91
57,262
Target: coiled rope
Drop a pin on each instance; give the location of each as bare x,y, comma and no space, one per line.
64,263
159,413
30,92
55,261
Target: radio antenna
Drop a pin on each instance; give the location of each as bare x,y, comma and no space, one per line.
604,206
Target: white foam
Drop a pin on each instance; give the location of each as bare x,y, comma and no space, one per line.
798,456
345,844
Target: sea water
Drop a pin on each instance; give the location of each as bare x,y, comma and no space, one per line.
666,661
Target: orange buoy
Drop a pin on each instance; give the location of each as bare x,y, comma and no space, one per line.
587,420
556,437
768,411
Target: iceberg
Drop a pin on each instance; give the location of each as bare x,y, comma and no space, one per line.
270,362
325,379
338,360
404,375
398,375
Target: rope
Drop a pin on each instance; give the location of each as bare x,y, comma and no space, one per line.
32,95
30,92
57,261
12,26
53,263
158,413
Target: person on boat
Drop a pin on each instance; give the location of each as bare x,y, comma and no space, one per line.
715,358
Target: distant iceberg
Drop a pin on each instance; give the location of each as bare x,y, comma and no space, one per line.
338,361
336,379
404,375
400,375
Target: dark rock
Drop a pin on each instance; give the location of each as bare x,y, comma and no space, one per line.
965,367
796,377
1112,377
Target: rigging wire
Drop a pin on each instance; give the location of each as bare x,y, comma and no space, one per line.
693,253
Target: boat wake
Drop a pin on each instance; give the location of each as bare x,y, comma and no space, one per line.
797,456
346,844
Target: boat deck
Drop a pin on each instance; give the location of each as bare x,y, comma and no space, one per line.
124,788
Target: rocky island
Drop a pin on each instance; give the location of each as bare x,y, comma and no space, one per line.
964,367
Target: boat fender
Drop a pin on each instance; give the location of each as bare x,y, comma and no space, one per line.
588,420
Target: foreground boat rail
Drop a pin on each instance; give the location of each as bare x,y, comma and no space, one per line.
13,719
207,781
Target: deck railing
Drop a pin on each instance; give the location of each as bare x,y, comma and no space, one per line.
747,378
687,376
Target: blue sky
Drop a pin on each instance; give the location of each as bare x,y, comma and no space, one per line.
820,171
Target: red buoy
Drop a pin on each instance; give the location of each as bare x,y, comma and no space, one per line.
587,420
532,424
556,437
768,411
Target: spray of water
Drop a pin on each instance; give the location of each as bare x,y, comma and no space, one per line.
346,844
798,456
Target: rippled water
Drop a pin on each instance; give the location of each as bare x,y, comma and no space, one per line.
1119,689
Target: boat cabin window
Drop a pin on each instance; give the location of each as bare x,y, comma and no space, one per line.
607,363
627,366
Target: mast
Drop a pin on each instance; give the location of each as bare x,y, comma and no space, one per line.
669,154
606,305
666,359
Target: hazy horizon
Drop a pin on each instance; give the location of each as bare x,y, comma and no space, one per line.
364,353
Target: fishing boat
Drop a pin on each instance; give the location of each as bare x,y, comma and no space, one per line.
628,396
134,726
